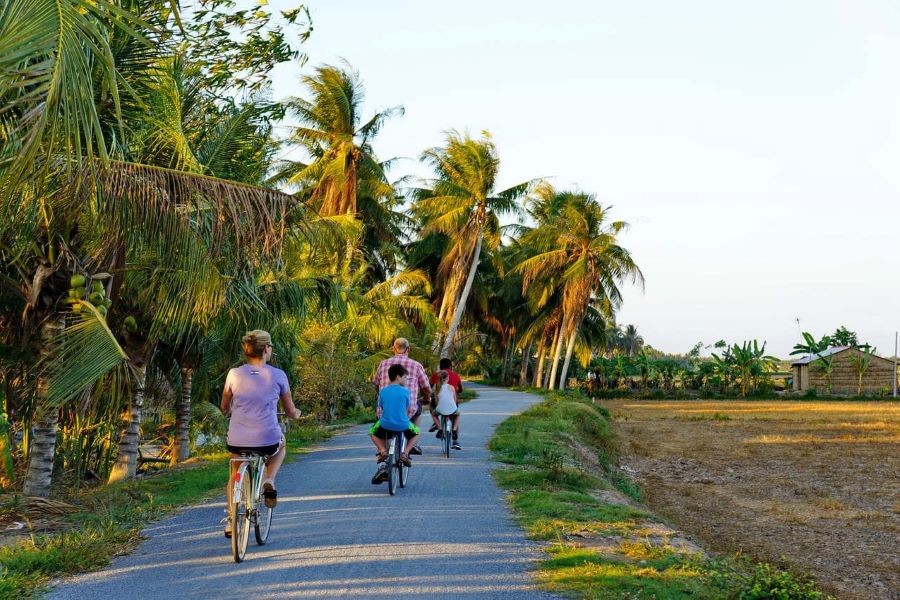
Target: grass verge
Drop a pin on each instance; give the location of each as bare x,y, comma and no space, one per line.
110,519
565,488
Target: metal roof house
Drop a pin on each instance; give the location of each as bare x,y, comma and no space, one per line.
810,372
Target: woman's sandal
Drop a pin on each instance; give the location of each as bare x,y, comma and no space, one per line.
270,495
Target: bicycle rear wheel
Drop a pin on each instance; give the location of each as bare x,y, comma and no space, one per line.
263,522
392,476
404,474
448,433
393,462
240,517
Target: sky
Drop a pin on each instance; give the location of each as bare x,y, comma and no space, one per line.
754,147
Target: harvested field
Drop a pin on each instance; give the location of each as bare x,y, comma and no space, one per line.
811,485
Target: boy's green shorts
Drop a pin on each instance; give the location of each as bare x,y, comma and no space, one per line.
378,431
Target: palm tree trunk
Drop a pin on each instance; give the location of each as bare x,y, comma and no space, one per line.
126,460
461,304
570,348
7,470
43,439
523,371
183,418
539,367
555,360
545,382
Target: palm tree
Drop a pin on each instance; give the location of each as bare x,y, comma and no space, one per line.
338,141
462,204
71,204
632,342
582,248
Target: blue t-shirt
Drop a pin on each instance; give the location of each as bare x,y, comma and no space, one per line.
394,401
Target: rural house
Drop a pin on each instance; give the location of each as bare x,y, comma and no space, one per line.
810,372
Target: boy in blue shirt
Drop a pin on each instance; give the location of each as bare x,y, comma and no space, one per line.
394,410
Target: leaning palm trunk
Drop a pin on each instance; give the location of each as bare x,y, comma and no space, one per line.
463,297
43,438
545,382
523,371
570,347
557,350
182,448
126,460
539,367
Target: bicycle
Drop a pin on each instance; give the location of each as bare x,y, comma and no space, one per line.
446,432
247,505
398,473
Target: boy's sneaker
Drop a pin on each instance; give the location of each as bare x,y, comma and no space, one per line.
456,445
415,450
381,474
433,429
440,434
405,460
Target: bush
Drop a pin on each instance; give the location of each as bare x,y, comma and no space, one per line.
770,583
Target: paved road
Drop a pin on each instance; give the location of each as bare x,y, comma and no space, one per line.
335,535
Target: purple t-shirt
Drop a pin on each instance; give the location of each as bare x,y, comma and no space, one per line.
254,405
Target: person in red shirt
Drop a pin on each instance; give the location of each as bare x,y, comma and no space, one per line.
454,379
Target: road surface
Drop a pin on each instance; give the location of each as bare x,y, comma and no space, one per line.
448,534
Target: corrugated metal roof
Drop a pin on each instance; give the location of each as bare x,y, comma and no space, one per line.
808,359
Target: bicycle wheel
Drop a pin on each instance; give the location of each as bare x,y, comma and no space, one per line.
448,433
263,522
392,476
392,463
404,474
240,517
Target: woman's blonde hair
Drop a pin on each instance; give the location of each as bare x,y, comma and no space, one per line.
254,343
443,376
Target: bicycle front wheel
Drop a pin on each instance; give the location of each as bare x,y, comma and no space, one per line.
263,522
240,517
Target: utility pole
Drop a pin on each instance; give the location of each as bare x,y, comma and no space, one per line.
895,364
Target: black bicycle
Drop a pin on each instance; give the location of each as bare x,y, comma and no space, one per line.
398,473
447,433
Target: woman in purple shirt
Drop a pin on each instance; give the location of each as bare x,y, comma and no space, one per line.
251,395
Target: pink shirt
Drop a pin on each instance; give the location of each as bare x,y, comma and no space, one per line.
416,380
254,405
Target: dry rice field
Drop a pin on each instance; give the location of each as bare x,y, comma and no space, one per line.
810,485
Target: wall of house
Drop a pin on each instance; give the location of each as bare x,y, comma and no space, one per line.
878,376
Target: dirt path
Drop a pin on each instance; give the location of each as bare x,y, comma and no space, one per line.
817,483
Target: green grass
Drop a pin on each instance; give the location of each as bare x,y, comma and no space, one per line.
560,451
113,516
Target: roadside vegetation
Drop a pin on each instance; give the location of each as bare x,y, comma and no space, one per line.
566,489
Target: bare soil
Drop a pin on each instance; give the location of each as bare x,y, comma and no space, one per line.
810,485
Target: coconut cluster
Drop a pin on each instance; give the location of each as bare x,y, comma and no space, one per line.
78,293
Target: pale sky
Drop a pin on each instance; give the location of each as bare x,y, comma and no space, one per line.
753,146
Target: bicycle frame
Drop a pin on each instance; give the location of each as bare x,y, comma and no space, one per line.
257,466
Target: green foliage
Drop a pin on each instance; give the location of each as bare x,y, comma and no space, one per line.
770,583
